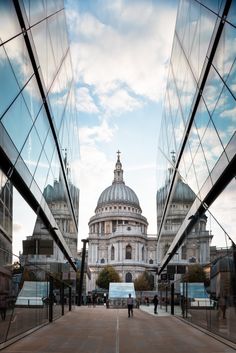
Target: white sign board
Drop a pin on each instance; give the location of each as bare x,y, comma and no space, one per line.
121,290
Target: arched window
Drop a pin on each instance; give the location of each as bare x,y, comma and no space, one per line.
151,261
128,252
102,261
112,253
128,277
143,253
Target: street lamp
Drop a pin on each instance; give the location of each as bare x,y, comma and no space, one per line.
85,241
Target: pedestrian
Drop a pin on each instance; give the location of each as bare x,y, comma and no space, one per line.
223,305
130,304
155,302
94,298
3,306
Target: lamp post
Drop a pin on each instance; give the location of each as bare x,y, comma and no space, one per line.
85,241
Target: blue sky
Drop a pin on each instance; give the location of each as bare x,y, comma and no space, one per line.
120,51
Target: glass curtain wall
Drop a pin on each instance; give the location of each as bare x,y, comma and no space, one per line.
196,197
39,149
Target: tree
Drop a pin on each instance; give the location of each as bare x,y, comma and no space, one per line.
195,274
106,276
144,282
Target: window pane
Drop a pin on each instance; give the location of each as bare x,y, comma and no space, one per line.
17,119
11,88
31,151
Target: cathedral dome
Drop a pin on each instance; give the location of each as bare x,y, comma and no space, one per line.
182,193
118,192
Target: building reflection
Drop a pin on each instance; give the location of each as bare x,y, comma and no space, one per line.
196,186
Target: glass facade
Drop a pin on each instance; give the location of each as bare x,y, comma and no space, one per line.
39,147
196,197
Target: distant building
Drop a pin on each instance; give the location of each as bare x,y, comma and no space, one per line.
118,233
198,126
38,131
6,196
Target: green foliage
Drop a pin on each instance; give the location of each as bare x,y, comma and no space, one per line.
144,282
195,274
106,276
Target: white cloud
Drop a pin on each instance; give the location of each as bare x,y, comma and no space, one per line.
230,113
116,55
85,102
224,215
94,176
99,133
119,101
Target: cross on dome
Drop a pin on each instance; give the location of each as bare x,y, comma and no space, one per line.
118,172
118,155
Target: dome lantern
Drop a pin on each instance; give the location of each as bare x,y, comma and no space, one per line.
118,192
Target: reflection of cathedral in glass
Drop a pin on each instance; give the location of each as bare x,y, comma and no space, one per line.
57,202
196,247
5,219
118,233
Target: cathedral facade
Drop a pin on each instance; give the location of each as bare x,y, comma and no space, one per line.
118,233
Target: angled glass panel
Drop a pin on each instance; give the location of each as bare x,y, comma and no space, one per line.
230,149
42,125
35,10
231,79
187,93
176,59
173,97
219,167
231,18
18,119
216,6
182,169
11,88
56,166
41,172
211,145
31,150
54,6
23,171
182,18
223,116
19,58
9,24
200,167
49,145
63,31
45,57
193,140
202,118
192,181
55,31
212,90
223,210
64,135
32,97
187,157
226,51
206,21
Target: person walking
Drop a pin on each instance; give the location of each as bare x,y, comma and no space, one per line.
155,302
130,304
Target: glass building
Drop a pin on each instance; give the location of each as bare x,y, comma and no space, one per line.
39,148
196,197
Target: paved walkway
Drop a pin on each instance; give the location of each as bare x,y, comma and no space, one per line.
101,330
